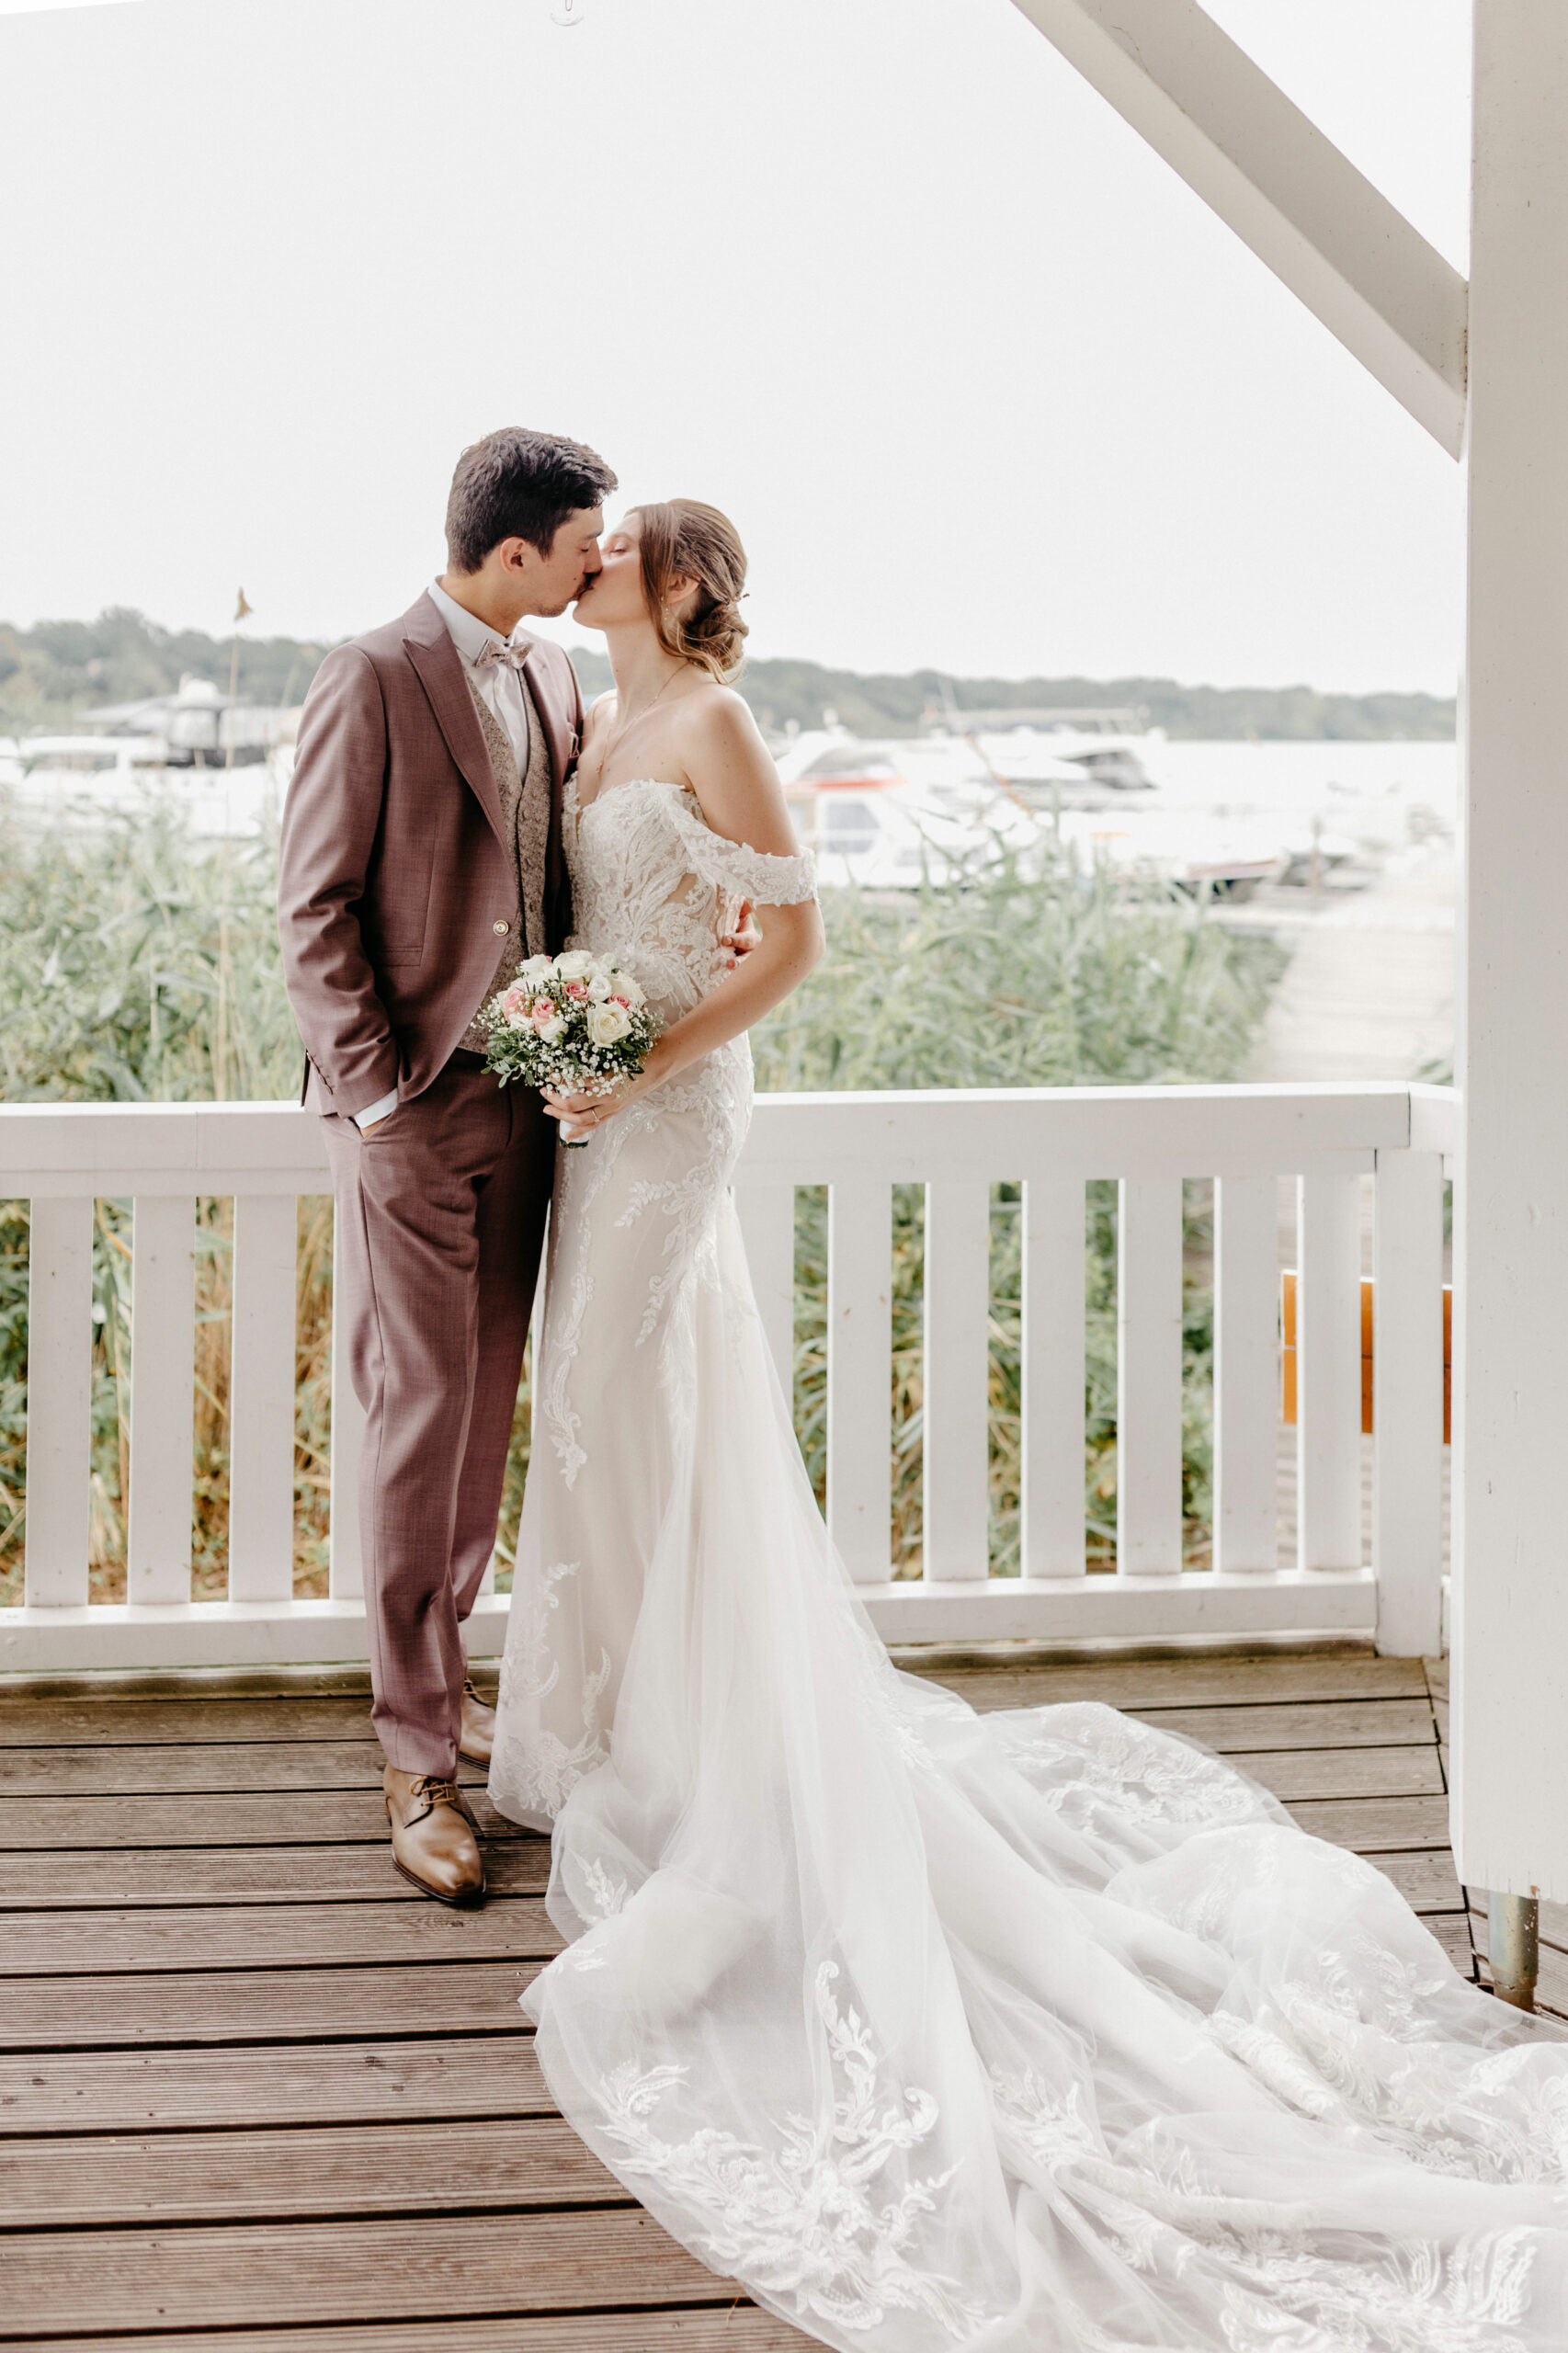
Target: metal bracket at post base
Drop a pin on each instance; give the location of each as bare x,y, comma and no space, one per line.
1512,1944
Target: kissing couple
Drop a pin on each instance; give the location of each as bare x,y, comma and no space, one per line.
1042,2030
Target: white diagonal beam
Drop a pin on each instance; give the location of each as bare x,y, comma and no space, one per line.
1286,190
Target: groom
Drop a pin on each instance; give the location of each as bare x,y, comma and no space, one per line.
421,860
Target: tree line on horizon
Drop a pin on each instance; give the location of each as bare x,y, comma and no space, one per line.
56,673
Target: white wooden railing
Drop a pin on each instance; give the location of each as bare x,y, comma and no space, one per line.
1329,1139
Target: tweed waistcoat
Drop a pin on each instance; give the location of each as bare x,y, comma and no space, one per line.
524,811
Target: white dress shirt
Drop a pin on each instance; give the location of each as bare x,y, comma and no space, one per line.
503,690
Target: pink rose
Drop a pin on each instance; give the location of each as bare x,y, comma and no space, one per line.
575,988
515,1005
626,1001
541,1013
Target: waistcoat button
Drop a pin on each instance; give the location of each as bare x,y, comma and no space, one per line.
499,926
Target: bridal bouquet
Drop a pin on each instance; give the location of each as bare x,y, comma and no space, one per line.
572,1024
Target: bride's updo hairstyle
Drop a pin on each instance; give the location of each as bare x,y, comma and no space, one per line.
684,540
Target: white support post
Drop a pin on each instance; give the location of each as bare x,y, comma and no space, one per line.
859,1375
1286,190
1148,1376
60,1401
344,1570
1407,1402
1246,1373
1328,1373
1051,1502
956,1453
1510,1617
163,1397
767,1213
261,1399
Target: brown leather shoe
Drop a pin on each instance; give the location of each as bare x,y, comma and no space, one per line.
432,1837
476,1731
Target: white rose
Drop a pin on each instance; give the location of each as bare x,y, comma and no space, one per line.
599,989
574,964
622,985
553,1031
607,1024
534,968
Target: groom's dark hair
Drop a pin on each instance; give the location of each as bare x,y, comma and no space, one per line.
519,486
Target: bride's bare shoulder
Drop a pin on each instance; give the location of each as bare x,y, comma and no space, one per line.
731,770
717,719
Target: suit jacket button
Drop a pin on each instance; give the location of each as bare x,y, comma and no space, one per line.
498,927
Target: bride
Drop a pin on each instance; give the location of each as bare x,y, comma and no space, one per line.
1041,2032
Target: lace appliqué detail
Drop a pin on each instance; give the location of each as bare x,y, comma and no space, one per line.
538,1768
802,2222
1085,1757
1277,2292
736,868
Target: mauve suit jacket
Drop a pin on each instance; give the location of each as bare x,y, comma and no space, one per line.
395,866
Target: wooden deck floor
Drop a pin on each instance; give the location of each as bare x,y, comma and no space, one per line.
256,2095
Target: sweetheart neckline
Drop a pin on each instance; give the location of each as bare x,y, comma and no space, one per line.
580,808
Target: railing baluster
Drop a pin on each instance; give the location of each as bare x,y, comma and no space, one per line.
1407,1402
1148,1377
767,1213
344,1571
859,1375
261,1399
1328,1373
1052,1465
1246,1372
60,1401
163,1396
955,1417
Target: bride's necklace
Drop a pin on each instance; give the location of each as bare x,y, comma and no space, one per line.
636,720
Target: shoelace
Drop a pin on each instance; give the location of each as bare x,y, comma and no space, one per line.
436,1792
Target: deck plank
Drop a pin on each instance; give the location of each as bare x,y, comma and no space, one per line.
1318,1773
1428,1882
241,1936
263,2005
725,2328
337,2271
140,1723
1135,1684
281,1765
306,1818
235,2177
1318,1723
1375,1825
275,1875
328,2083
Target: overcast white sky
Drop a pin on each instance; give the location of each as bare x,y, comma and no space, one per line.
982,384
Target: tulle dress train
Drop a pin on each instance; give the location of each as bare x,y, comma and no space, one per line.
1035,2033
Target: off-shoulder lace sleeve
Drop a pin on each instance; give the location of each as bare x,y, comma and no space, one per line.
735,866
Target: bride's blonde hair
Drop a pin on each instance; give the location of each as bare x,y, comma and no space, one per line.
682,538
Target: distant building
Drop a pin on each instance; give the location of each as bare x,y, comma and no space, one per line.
199,725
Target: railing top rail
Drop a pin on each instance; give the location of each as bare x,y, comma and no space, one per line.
126,1148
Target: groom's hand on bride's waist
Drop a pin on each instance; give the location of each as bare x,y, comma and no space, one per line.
744,937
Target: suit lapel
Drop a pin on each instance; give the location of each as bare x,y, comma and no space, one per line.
440,673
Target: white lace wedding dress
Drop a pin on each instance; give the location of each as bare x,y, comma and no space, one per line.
1040,2032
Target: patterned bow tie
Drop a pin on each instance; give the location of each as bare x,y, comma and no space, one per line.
495,653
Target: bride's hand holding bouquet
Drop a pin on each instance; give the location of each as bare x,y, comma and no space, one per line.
577,1028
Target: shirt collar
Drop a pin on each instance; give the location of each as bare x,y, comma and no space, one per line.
467,631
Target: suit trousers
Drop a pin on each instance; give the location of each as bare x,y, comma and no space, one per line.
441,1212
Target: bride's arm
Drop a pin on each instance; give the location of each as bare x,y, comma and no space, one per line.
738,790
